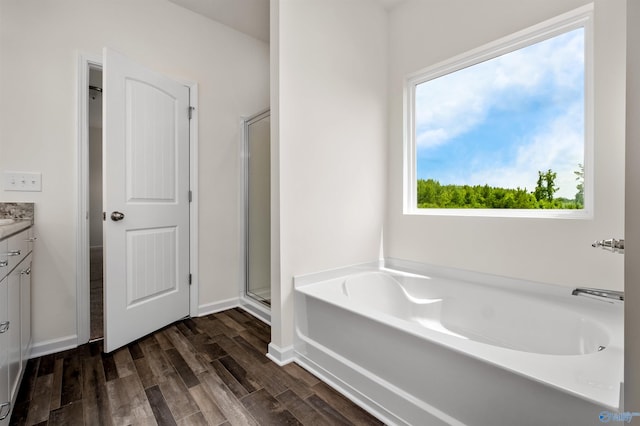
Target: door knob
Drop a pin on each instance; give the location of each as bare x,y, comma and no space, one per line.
116,216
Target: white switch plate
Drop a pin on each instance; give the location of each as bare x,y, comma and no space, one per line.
22,181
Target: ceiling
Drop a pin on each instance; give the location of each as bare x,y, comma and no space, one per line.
247,16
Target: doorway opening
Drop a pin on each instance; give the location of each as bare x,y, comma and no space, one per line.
96,282
257,207
91,282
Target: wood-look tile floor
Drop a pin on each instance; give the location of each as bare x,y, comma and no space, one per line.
96,328
202,371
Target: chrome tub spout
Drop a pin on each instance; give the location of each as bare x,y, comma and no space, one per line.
607,294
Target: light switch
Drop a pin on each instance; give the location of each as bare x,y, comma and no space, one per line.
22,181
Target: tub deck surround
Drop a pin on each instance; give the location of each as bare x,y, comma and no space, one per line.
443,341
14,217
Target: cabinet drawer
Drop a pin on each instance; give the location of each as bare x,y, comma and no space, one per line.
18,247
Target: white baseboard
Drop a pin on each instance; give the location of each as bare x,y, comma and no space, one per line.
54,345
223,305
256,309
281,356
69,342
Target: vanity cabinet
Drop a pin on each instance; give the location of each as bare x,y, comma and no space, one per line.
15,316
5,395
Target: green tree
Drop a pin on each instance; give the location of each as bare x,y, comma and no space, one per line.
445,196
428,193
546,187
432,194
540,192
458,197
580,186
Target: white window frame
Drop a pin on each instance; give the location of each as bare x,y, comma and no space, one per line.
578,18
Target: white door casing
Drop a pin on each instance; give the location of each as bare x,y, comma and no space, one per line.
146,178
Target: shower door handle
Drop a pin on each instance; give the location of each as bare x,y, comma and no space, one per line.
5,406
116,216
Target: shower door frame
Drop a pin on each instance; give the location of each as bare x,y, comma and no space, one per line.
257,308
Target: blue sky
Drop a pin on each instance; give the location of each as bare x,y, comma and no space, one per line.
502,120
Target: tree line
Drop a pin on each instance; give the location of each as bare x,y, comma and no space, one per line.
433,194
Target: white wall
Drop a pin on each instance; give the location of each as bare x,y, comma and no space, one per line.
559,251
39,43
330,132
632,223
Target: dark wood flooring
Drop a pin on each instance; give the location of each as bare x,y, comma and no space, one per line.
202,371
96,327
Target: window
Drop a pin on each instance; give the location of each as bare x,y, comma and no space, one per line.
505,129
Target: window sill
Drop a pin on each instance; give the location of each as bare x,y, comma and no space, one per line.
583,214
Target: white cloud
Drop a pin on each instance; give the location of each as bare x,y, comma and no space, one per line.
560,148
454,104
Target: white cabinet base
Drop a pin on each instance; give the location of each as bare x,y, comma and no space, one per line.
15,317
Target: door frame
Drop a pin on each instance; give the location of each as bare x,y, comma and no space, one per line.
85,62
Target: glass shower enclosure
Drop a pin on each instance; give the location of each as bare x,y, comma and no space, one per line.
257,206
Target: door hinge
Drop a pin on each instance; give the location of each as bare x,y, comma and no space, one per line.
104,216
190,196
191,112
189,279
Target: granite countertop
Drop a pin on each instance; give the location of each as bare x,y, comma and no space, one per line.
18,215
15,227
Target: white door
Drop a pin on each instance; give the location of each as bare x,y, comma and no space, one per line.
146,200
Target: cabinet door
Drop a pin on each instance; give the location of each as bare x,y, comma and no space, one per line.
25,309
13,334
18,246
29,238
4,260
5,399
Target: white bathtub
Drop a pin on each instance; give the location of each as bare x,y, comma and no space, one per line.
420,345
